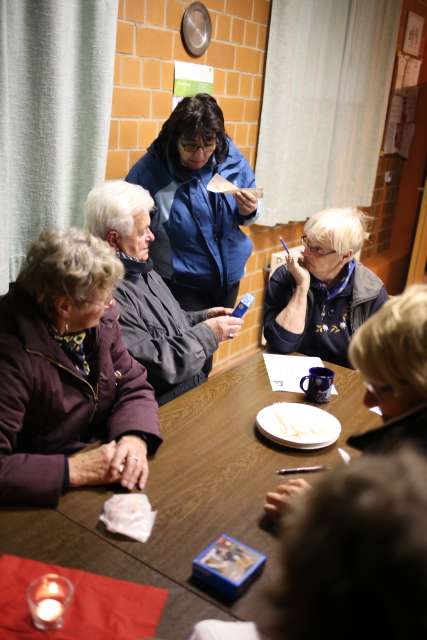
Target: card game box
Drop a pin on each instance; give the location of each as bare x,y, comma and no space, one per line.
227,566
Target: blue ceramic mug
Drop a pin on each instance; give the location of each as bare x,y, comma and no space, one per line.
320,381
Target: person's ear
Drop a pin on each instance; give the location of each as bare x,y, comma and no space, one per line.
63,307
113,238
347,257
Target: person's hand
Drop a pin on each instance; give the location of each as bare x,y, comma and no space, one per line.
130,461
93,466
224,327
276,502
246,202
214,312
295,266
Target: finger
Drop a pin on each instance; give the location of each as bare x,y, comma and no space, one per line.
272,510
144,475
118,463
132,471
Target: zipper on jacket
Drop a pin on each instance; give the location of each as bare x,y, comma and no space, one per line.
61,366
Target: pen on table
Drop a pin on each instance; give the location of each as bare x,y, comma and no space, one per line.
284,245
288,470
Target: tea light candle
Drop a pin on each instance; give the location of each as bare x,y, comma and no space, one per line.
49,610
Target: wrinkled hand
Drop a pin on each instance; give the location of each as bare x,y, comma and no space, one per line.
93,466
130,462
246,202
225,327
276,502
214,312
297,270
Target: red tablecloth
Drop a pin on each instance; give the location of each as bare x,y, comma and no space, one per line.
102,608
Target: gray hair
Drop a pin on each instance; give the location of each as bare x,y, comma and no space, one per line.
391,345
345,229
113,205
71,263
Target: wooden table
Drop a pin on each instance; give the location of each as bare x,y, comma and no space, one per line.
209,477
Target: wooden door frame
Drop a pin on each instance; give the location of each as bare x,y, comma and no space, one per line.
417,267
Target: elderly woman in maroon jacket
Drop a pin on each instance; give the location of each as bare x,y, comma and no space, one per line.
67,380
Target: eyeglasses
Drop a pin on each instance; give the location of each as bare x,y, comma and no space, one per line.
378,390
315,250
192,147
106,305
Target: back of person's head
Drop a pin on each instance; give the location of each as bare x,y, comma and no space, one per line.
391,345
198,116
355,554
344,229
71,263
113,205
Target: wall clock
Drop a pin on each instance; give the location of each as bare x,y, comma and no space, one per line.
196,29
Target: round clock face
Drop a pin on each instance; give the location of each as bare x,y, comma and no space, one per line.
196,29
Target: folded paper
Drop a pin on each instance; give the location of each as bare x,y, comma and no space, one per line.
218,184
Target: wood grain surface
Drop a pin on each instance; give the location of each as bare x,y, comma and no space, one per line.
48,536
212,472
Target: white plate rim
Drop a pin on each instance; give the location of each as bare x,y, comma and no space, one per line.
292,443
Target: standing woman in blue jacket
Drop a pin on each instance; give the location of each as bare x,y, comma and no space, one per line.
199,249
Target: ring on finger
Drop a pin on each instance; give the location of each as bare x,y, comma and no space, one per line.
231,335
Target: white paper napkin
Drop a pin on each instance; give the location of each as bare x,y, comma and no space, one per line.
129,514
219,630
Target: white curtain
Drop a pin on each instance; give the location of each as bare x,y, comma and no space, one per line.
328,75
56,78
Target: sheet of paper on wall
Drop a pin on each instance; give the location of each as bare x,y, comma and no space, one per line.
189,79
218,184
393,126
408,72
285,372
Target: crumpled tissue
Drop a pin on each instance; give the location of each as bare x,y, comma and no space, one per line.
129,514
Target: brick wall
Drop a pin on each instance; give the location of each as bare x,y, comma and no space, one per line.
148,42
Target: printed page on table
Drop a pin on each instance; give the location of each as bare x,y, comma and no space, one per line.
285,372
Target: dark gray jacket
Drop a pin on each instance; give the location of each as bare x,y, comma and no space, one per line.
171,343
362,297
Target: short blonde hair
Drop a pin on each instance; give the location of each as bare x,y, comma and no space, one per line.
113,205
70,263
345,229
392,345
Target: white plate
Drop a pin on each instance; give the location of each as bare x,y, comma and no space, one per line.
298,426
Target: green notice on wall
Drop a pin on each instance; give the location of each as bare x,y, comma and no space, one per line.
191,79
184,88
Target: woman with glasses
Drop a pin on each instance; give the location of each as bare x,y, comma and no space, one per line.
317,299
199,248
68,384
390,351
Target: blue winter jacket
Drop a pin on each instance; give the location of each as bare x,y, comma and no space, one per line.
198,240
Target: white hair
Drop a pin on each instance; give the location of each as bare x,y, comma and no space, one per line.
113,205
345,229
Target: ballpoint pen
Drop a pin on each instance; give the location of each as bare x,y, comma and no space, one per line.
288,470
284,245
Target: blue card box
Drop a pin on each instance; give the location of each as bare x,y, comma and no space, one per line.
228,566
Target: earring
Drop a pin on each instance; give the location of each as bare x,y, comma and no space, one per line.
67,328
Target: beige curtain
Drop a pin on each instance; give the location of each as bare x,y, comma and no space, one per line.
56,78
328,75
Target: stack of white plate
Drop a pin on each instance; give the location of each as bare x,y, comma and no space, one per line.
298,426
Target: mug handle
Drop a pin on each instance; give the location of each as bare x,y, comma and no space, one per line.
301,383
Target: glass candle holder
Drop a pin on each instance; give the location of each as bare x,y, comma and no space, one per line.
48,598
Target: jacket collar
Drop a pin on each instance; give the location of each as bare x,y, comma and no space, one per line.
32,326
409,426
